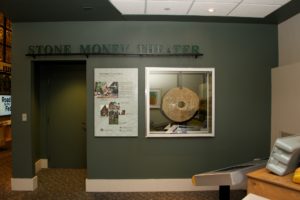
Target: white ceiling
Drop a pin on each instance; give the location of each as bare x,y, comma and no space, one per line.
231,8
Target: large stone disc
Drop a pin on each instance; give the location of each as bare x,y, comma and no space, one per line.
180,104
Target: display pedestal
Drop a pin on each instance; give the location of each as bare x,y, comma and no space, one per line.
266,184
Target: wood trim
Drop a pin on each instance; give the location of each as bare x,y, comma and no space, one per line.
24,184
41,164
145,185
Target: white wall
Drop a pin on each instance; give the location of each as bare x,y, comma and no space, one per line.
289,41
285,101
285,81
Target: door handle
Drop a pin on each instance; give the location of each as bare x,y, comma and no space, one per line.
83,126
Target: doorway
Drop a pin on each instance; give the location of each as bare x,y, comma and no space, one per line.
62,112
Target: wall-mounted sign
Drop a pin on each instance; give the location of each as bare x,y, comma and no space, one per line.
5,105
113,49
116,102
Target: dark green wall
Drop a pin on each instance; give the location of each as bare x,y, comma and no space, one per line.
242,55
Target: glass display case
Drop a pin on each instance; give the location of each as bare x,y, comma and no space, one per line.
179,102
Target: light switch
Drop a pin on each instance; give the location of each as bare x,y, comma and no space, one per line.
24,117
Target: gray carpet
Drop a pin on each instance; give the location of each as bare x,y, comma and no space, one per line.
69,184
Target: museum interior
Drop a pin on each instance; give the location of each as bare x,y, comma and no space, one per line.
150,99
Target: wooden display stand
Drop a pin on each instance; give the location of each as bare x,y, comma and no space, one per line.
264,183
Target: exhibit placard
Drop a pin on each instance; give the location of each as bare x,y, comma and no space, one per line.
5,105
116,102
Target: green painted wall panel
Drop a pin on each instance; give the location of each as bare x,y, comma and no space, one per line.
242,55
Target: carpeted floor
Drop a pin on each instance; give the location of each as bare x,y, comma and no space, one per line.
69,184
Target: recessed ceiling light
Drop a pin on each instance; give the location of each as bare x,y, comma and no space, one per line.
211,10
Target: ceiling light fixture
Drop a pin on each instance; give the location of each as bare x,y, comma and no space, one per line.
211,10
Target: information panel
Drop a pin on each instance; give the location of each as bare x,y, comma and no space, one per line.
116,102
5,105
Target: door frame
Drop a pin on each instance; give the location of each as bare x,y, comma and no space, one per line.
40,137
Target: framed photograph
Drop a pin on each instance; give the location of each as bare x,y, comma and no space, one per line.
155,98
180,102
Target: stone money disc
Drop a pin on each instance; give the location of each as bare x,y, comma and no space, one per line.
180,104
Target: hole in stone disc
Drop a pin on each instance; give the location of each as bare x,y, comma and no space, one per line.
181,104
